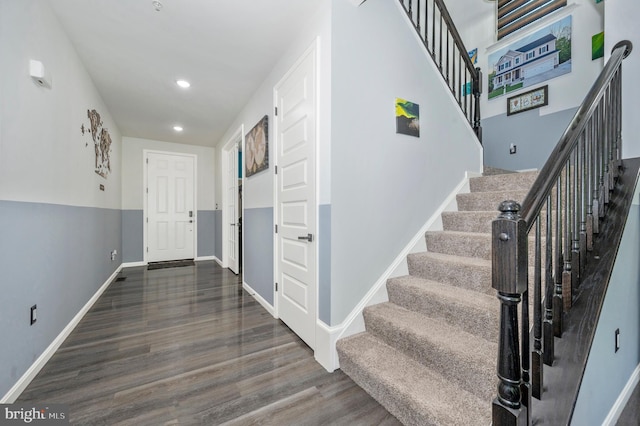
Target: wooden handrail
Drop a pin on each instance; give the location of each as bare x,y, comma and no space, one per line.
541,188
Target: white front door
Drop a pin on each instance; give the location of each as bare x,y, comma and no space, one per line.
296,246
171,211
231,206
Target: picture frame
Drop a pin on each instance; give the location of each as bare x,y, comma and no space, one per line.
526,101
257,148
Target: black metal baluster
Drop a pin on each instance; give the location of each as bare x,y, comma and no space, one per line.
549,349
575,222
557,295
589,183
583,200
566,273
418,16
536,356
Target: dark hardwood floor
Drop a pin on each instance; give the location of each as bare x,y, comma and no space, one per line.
631,414
188,346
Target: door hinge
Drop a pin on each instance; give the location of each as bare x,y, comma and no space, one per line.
147,161
275,169
276,111
276,228
147,249
147,220
276,286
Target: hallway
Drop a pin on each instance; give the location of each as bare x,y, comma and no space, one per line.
188,346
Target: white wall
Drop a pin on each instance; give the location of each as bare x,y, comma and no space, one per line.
385,186
621,23
476,22
133,171
43,157
258,189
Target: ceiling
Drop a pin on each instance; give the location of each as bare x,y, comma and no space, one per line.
135,54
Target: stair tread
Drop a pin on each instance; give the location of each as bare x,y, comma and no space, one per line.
473,261
454,294
415,394
470,310
519,180
468,346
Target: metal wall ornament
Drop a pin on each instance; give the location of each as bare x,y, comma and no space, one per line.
101,142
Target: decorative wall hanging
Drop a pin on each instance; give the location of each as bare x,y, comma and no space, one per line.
597,46
257,148
473,55
535,98
407,118
541,56
101,142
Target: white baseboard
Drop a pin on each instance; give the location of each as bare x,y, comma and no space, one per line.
621,402
42,360
201,258
133,264
354,323
260,299
219,261
326,338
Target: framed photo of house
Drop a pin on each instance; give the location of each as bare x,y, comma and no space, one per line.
531,60
532,99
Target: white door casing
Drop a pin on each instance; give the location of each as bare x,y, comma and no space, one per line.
231,208
170,206
296,207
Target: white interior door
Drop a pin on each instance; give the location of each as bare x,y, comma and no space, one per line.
231,216
171,211
296,246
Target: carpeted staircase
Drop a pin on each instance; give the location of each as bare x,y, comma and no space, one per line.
429,354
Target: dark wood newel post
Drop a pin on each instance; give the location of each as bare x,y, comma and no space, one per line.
509,278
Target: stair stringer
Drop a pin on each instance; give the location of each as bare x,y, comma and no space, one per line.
326,353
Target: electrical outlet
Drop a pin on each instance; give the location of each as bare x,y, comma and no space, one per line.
113,255
617,334
512,149
33,315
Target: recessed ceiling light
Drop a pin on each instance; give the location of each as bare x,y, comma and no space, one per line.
178,128
183,83
157,5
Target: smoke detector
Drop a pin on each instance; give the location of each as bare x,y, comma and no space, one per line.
157,5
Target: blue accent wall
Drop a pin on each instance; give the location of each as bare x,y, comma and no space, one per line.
608,372
132,236
258,233
534,135
54,256
218,234
206,233
324,267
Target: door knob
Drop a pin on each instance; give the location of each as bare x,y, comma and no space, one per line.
308,237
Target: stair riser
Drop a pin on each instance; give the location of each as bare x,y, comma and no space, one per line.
465,370
483,323
479,222
487,201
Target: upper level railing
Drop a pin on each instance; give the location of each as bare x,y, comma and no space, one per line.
564,209
437,31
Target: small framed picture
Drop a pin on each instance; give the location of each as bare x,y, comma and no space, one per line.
532,99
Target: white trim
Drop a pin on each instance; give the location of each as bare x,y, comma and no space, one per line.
238,136
201,258
259,299
354,323
24,381
623,398
326,338
133,264
145,196
219,261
